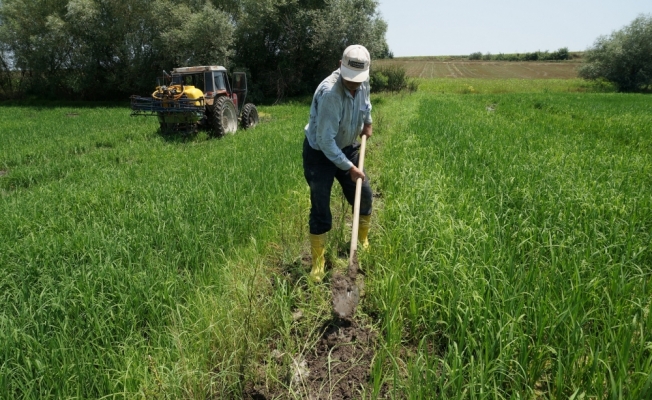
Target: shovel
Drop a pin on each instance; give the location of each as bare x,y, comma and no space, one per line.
346,294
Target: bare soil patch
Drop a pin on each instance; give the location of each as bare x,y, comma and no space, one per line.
340,365
485,69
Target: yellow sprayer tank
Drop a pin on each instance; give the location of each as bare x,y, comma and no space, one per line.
190,91
193,93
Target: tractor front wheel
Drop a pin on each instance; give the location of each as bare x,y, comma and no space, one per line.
249,117
165,128
224,118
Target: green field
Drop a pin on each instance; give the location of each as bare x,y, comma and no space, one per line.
510,252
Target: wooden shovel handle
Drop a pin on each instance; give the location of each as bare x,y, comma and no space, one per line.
356,202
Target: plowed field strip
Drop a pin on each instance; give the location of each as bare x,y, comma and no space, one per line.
485,69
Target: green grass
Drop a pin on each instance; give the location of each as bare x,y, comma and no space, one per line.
515,251
498,86
510,249
108,232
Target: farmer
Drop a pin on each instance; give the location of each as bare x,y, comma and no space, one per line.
340,111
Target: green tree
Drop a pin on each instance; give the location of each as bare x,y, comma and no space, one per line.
562,54
623,58
112,44
269,40
103,49
289,46
6,73
200,36
30,32
344,22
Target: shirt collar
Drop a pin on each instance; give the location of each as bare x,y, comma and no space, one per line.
347,91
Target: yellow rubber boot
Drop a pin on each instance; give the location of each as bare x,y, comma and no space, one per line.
363,231
317,246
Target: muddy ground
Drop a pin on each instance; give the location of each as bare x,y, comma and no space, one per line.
339,365
337,368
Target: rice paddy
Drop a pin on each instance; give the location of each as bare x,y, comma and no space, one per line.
510,251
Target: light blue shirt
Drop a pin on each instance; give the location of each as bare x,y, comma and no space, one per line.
337,118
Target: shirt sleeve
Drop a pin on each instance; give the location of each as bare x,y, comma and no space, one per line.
328,121
367,101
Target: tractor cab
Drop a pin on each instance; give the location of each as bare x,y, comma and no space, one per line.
214,82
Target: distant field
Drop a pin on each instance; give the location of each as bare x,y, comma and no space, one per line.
429,68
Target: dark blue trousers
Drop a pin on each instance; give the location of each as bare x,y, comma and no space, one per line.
320,172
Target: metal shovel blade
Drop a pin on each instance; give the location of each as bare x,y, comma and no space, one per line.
346,294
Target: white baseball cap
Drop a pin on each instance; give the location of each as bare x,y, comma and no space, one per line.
355,63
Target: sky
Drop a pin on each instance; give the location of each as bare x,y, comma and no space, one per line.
462,27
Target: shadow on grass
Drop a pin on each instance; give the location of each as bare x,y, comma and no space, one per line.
185,137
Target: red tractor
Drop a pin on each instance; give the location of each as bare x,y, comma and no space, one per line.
199,97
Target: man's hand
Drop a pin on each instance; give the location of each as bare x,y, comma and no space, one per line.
366,130
356,173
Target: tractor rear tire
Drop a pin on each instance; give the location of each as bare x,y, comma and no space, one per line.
249,117
224,118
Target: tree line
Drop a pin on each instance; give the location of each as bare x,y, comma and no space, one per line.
559,55
107,49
